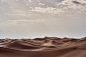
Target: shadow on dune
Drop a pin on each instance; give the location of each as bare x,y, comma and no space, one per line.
21,46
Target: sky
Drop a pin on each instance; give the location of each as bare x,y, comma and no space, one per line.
39,18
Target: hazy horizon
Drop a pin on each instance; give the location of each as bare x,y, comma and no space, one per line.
39,18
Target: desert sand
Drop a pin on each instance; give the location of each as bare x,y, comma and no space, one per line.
43,47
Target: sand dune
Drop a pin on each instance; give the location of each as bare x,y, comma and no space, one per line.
44,47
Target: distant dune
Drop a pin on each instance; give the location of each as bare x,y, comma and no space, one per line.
43,47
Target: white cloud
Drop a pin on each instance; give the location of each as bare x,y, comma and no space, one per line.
27,4
3,0
17,0
11,14
70,4
38,1
41,4
30,0
20,22
66,6
47,10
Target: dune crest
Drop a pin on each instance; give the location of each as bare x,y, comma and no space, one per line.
43,47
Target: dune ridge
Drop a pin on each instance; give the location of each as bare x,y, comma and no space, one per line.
43,47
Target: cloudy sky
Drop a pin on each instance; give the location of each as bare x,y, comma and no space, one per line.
38,18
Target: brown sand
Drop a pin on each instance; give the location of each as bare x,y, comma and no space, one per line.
43,47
